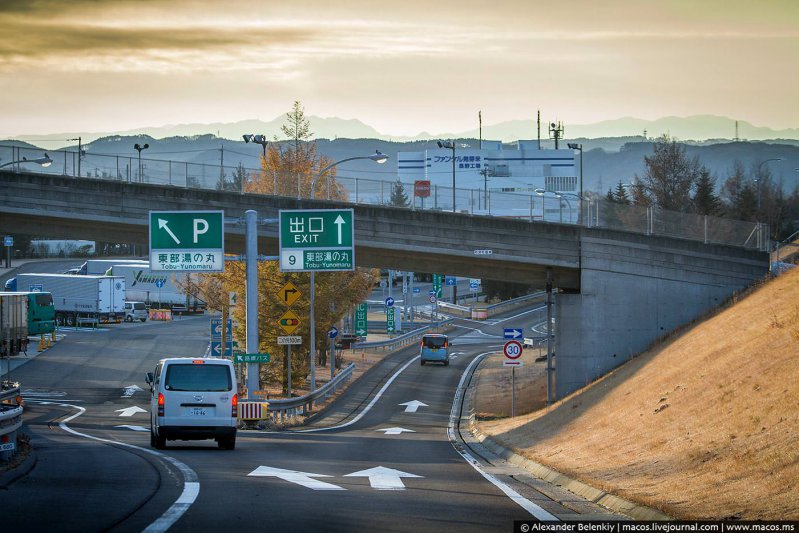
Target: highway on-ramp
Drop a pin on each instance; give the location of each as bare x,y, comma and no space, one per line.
387,456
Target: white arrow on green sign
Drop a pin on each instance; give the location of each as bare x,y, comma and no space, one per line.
317,240
187,241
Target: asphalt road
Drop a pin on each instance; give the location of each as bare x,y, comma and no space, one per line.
370,462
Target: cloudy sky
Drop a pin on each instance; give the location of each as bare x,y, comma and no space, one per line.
400,66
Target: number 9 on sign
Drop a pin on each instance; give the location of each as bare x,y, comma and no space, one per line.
292,260
512,349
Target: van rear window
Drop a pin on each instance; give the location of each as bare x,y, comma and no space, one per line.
201,378
139,306
434,342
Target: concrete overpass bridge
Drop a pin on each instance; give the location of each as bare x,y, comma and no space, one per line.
619,290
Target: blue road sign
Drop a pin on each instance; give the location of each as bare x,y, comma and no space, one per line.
8,241
216,329
389,302
417,290
216,348
513,333
431,292
160,283
451,280
333,332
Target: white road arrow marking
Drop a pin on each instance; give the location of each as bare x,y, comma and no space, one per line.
382,478
133,428
130,390
395,431
300,478
411,407
130,411
339,222
162,224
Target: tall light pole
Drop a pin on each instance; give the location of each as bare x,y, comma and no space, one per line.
757,178
576,146
80,155
43,161
450,145
139,148
377,157
260,139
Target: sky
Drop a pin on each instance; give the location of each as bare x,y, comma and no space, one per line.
402,67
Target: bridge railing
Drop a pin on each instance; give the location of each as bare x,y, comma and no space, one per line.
567,209
10,420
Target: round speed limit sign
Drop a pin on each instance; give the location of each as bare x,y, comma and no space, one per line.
512,350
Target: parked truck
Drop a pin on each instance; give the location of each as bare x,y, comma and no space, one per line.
13,324
99,267
157,289
41,311
79,298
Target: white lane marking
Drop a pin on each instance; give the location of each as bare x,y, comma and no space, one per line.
538,512
130,411
305,479
191,484
412,406
395,430
133,428
130,390
371,404
382,478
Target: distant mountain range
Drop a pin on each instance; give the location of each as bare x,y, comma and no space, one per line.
694,128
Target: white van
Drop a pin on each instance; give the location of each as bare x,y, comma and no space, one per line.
193,399
135,311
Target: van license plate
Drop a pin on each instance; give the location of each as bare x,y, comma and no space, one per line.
198,411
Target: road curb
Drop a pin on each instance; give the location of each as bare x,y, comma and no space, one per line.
19,471
544,473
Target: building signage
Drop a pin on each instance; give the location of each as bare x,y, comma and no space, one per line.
187,241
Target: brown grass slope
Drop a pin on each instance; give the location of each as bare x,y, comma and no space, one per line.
703,426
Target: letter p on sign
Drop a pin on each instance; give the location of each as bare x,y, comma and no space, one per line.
200,223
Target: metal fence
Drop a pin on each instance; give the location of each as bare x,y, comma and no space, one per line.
565,208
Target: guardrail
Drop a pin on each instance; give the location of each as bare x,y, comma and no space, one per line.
289,409
10,422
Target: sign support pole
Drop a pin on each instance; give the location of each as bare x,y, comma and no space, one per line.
513,392
332,358
549,336
251,250
288,370
313,334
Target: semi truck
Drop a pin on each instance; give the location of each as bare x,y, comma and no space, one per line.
157,289
41,311
79,298
13,324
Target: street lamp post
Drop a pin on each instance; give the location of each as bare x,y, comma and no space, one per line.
260,139
139,148
377,157
577,146
43,161
450,145
757,178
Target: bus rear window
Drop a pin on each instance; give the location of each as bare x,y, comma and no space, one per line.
201,378
44,299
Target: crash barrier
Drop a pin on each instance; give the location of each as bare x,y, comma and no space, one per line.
287,410
253,410
160,314
10,421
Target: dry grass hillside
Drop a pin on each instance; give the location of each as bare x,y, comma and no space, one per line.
703,426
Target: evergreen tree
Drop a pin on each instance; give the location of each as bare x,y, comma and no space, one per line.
670,175
398,196
705,200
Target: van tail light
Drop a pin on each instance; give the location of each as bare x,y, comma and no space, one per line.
160,404
234,411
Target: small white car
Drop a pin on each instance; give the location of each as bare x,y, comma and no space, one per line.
135,311
193,399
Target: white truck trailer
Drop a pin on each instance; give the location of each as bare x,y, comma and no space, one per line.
157,289
99,267
79,298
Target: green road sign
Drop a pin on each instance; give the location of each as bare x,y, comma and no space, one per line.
317,239
191,241
437,285
390,320
360,319
252,358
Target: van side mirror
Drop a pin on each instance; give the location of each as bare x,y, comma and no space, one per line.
148,378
